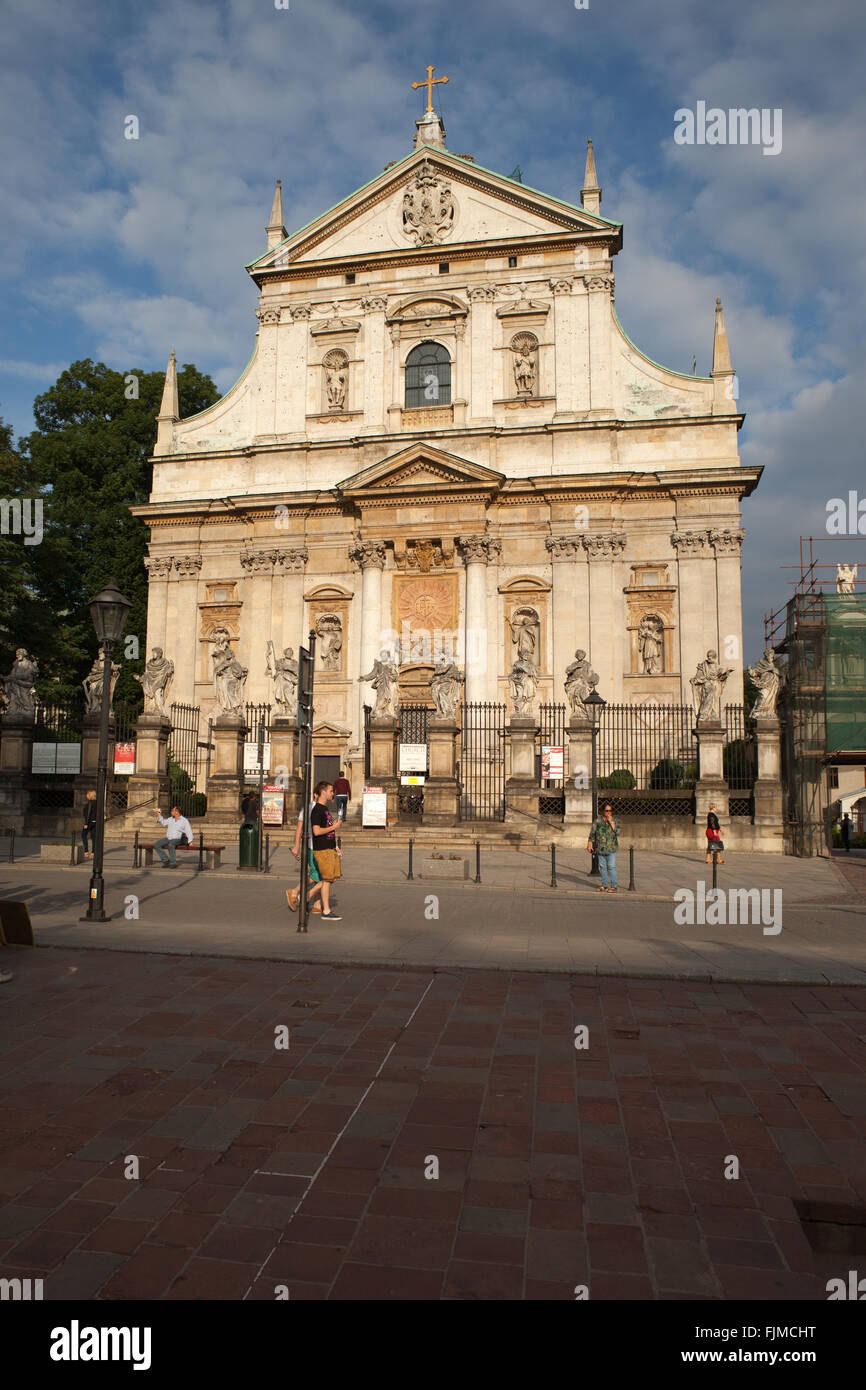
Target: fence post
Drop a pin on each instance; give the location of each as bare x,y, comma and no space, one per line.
553,866
631,887
477,861
135,852
411,847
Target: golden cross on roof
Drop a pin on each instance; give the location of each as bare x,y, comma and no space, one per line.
429,84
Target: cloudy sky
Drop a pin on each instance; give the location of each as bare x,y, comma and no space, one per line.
120,249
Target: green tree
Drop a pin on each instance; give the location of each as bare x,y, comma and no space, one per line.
17,602
89,457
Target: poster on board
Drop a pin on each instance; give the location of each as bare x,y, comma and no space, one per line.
374,807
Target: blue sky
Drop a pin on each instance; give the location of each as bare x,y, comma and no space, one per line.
118,249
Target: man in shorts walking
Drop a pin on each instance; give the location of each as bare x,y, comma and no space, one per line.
325,851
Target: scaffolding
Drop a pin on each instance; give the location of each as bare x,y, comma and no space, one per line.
821,633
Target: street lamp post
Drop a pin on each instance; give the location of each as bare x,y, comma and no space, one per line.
595,705
109,612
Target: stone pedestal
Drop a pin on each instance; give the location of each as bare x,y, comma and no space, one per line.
86,780
226,779
521,789
711,787
769,799
383,761
150,782
441,792
286,769
578,788
16,757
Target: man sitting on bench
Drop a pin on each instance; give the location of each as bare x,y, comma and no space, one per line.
178,830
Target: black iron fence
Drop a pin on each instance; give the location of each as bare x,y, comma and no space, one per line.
258,719
413,729
481,769
183,760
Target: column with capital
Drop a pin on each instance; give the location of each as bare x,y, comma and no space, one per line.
187,569
564,340
600,291
291,370
258,564
570,600
158,569
606,620
369,556
727,543
374,363
395,409
697,609
289,580
266,397
477,552
481,354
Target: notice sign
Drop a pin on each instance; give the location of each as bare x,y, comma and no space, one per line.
124,759
374,807
44,758
552,762
251,758
413,757
406,781
53,758
273,805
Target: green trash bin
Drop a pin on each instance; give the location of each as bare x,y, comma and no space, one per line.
248,846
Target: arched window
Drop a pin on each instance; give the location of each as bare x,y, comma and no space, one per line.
428,376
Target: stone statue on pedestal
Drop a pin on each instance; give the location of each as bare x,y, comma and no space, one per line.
330,629
284,673
155,682
523,685
580,681
767,677
384,678
846,578
445,685
229,676
93,684
707,684
650,640
18,685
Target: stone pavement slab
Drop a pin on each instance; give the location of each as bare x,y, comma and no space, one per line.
424,1135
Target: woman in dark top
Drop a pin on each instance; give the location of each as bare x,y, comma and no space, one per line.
88,829
714,835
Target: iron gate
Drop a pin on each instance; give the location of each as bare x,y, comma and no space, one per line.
482,762
413,729
183,760
551,734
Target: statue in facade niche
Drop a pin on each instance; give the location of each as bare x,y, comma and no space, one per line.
284,674
580,681
445,685
524,346
650,640
707,684
18,685
767,677
336,365
330,629
384,678
525,632
93,683
523,684
229,676
155,682
846,578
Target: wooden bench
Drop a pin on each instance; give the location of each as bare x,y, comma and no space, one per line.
213,852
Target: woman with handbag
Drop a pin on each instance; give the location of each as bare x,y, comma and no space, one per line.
714,835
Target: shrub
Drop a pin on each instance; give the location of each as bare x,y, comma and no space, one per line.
618,780
667,773
690,775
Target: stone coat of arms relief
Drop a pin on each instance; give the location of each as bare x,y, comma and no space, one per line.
428,210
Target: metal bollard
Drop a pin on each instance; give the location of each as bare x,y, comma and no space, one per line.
715,865
200,851
136,853
12,846
477,861
72,849
268,853
553,882
631,887
411,848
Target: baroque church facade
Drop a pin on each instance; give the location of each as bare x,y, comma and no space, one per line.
445,441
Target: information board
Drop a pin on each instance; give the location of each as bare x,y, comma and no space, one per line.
413,757
374,807
124,759
552,762
251,758
273,805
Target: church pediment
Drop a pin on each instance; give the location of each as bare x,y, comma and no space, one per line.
431,199
422,468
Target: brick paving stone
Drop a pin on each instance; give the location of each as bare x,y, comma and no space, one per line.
81,1275
368,1282
481,1281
